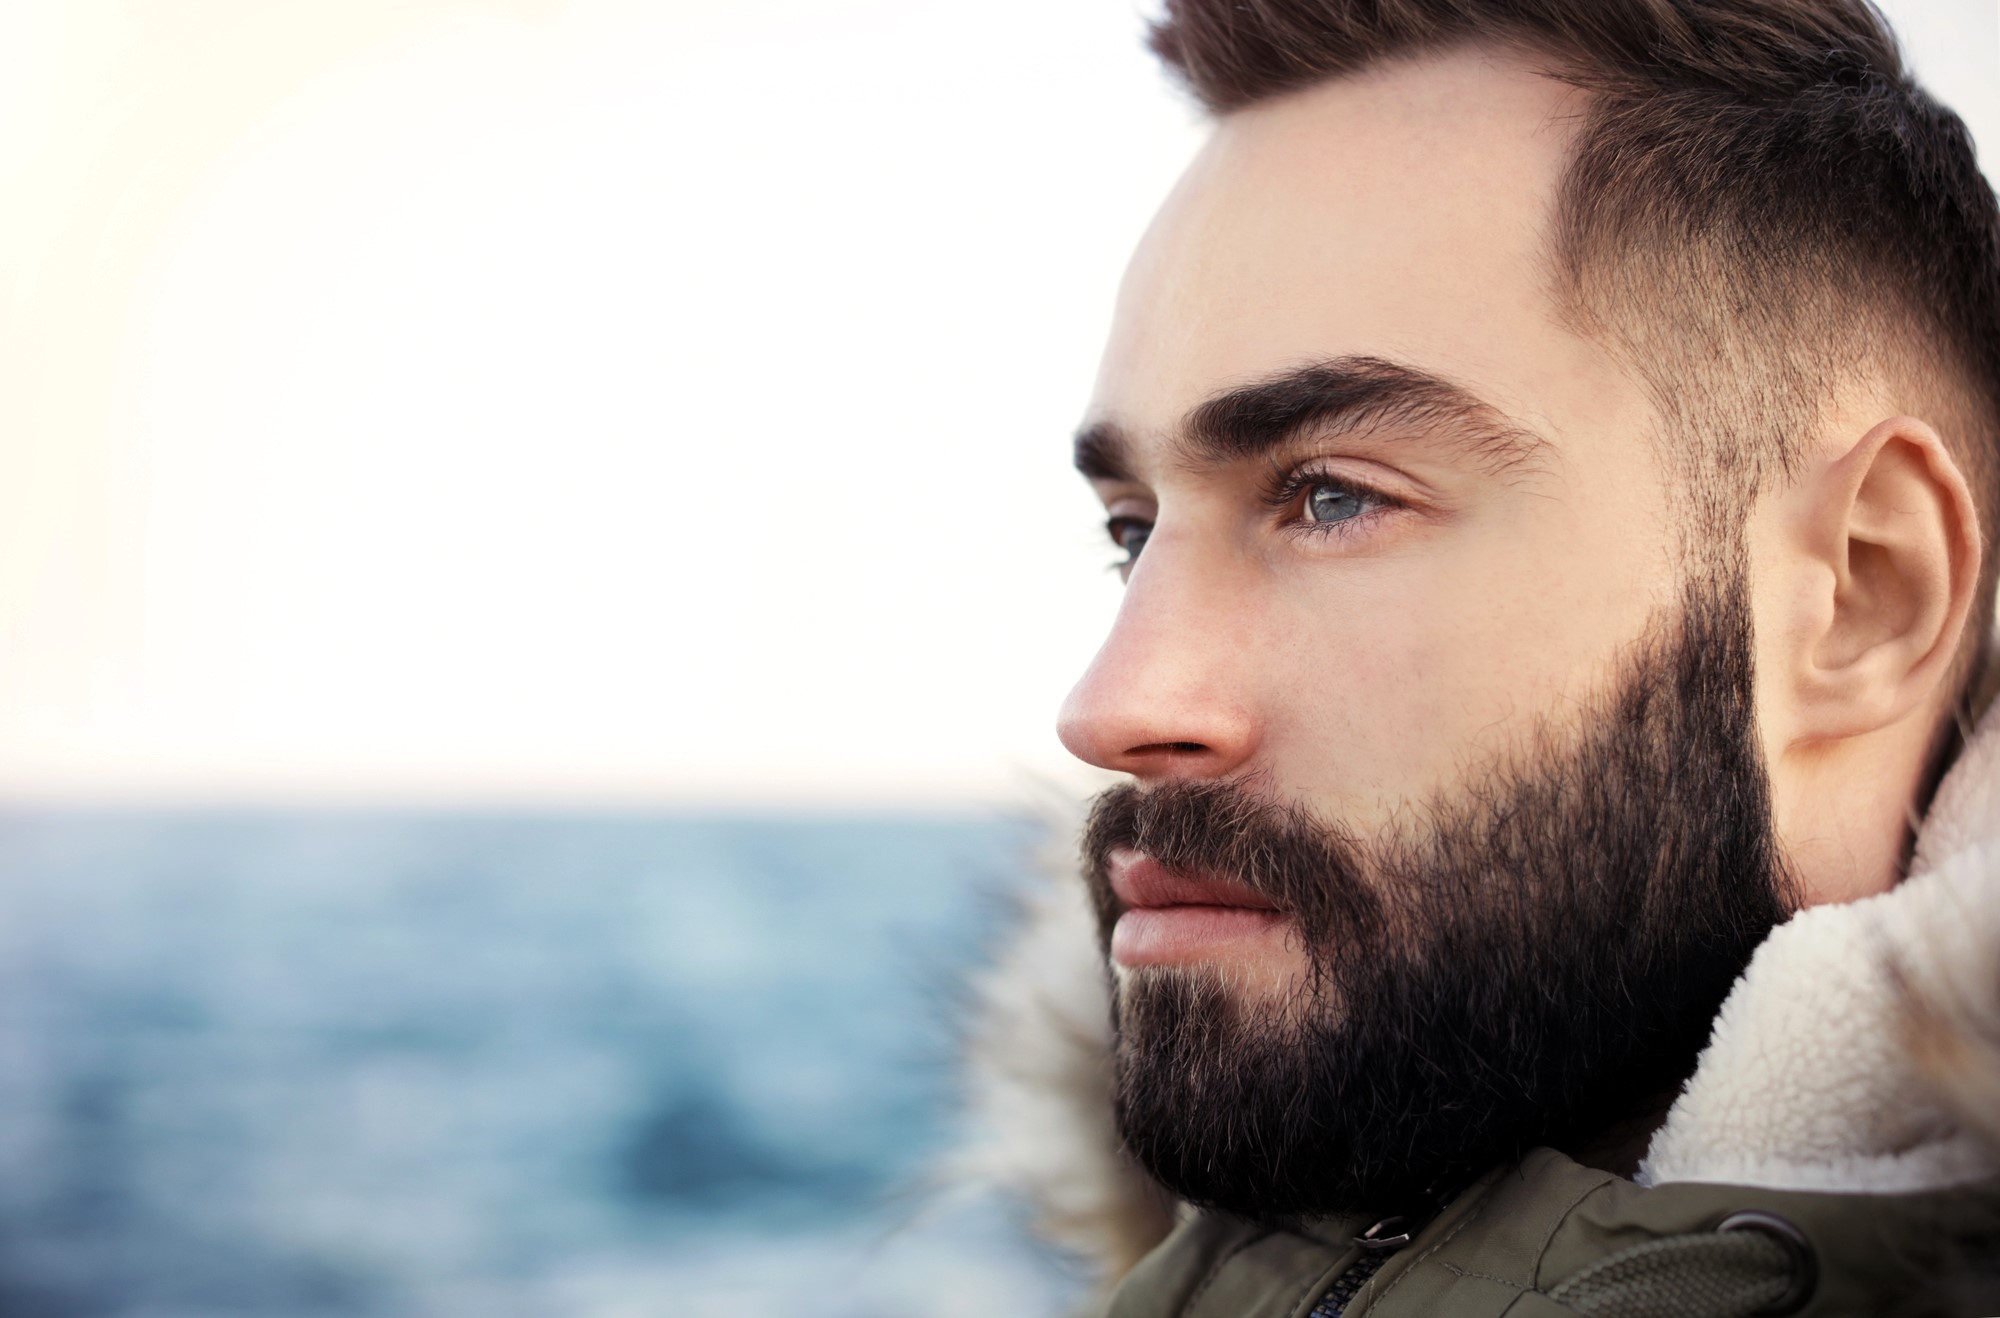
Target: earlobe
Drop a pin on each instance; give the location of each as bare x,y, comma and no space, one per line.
1893,525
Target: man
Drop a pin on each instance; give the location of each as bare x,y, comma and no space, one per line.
1551,444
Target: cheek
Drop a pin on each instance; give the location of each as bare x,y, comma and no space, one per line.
1393,678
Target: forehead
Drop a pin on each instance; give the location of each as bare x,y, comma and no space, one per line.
1400,213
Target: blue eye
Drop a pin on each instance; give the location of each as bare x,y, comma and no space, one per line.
1129,534
1334,503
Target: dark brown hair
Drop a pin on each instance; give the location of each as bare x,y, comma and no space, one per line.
1761,205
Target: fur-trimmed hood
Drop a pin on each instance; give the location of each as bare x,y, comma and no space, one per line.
1859,1051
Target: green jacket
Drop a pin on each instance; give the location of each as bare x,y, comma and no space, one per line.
1549,1238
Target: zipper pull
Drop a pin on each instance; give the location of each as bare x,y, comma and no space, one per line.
1389,1233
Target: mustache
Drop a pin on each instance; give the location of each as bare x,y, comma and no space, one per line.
1313,872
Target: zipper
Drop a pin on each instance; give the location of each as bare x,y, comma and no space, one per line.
1378,1244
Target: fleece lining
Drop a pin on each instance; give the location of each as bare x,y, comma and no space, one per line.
1806,1083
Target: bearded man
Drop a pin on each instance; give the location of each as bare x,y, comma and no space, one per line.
1552,444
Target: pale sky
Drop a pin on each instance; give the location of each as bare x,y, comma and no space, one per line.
520,401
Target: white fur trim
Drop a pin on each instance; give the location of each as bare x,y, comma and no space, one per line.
1040,1080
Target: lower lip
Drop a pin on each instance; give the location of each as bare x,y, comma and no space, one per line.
1177,935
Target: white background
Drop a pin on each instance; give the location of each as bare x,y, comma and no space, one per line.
611,400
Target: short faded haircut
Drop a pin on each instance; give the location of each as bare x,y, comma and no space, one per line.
1762,206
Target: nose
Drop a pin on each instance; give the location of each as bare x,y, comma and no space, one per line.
1170,693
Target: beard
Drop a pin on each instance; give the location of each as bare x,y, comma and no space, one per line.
1536,960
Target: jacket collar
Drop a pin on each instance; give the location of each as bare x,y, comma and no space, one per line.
1848,1055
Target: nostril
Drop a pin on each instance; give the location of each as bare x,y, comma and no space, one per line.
1175,747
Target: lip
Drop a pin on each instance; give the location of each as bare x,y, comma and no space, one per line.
1175,919
1142,883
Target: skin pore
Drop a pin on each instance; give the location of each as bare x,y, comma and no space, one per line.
1361,609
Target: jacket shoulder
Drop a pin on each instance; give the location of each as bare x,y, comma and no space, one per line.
1524,1241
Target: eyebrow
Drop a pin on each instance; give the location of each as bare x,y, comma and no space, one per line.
1343,395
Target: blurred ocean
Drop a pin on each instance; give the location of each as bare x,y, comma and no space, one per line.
375,1064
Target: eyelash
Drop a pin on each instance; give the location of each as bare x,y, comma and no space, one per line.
1113,528
1284,489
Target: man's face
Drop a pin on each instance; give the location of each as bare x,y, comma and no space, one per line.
1402,549
1414,606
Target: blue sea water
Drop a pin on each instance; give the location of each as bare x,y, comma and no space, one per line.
382,1064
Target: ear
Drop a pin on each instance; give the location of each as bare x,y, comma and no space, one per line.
1894,537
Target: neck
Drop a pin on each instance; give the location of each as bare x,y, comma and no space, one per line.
1618,1148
